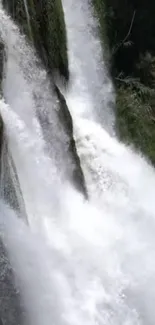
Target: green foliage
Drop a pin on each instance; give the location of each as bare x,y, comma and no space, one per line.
135,119
46,30
130,27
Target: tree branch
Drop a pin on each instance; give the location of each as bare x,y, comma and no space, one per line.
127,35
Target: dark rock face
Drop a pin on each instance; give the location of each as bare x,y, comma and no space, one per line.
1,59
77,176
1,64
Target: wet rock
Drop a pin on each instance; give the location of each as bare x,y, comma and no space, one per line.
77,175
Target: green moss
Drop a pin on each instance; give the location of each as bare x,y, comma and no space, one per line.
46,30
135,120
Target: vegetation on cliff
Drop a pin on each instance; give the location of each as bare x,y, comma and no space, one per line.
129,27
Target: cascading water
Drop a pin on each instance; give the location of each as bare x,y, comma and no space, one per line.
10,187
28,17
78,262
91,87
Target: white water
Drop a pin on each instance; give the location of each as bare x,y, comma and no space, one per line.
78,262
91,87
28,17
30,95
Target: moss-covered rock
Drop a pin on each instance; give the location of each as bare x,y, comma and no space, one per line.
43,22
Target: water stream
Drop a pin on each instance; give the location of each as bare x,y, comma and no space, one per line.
75,262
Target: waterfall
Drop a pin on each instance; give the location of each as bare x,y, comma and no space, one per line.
28,18
74,261
10,188
91,87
